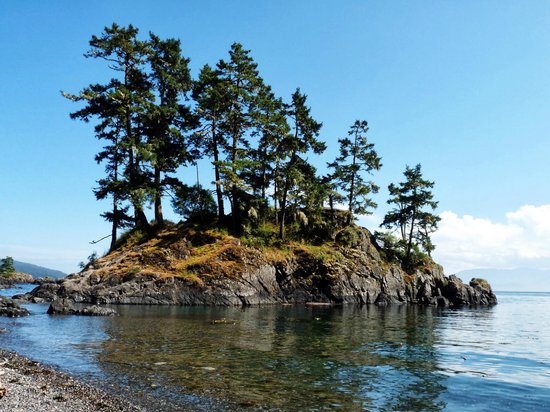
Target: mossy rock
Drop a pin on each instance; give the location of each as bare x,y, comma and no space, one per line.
479,282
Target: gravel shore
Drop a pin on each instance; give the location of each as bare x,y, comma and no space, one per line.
29,386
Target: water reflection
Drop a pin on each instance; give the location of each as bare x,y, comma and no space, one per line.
288,358
308,358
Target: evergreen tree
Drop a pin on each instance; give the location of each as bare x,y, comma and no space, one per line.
357,156
6,267
243,83
271,128
301,140
112,185
409,216
167,118
193,202
119,105
210,95
307,196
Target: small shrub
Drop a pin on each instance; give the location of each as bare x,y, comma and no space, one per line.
91,260
193,202
392,250
348,237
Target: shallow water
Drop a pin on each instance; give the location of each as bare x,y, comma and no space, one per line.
308,358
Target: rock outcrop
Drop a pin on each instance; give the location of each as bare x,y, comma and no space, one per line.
15,278
65,306
11,309
219,270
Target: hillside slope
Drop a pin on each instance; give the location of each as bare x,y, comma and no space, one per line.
37,271
185,265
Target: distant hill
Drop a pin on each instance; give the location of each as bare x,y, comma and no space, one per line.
516,280
37,271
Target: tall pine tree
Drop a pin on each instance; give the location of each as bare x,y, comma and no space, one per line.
210,95
119,105
271,129
168,117
357,157
302,139
243,83
411,199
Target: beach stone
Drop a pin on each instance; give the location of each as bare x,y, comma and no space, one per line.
2,392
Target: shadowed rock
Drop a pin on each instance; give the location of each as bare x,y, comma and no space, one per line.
66,306
11,309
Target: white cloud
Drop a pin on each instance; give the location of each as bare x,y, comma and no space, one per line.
369,221
467,242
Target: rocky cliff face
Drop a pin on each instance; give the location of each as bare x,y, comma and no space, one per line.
180,270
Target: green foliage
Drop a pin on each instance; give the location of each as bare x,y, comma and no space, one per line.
392,249
242,82
6,266
131,238
193,202
166,118
258,144
91,260
141,116
357,157
302,139
210,95
264,235
409,216
348,236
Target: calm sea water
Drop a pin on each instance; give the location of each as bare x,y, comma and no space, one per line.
292,358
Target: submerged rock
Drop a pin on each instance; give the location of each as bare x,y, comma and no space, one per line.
11,309
96,310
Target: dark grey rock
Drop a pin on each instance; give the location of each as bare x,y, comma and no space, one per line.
11,309
62,307
359,277
65,306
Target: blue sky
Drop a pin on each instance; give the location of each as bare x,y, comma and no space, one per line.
462,87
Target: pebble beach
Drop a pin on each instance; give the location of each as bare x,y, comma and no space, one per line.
26,385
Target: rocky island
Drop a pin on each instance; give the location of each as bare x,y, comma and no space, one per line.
185,265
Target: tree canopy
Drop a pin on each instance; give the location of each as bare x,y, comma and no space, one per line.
6,266
156,120
357,157
413,200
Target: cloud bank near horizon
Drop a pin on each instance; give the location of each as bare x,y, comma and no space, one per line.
467,242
